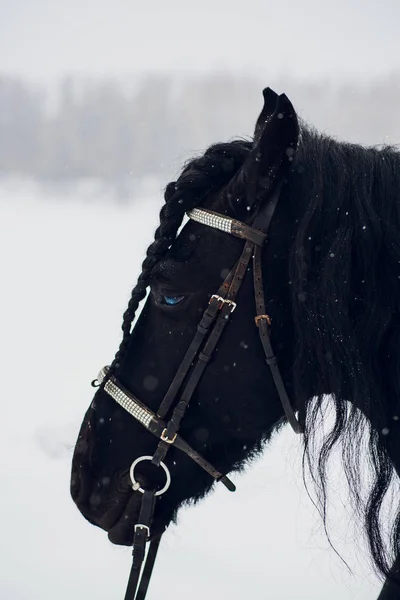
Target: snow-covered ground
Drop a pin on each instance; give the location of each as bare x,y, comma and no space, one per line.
68,265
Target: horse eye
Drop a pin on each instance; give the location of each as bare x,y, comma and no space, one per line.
171,300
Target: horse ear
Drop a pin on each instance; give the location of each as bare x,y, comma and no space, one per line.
270,104
274,145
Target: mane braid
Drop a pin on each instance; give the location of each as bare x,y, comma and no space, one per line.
345,280
200,177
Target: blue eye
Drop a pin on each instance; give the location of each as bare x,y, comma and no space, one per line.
172,300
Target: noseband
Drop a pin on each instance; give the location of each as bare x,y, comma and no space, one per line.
213,322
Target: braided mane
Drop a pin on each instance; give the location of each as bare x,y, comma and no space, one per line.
199,178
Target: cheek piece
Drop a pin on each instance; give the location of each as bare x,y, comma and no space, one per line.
209,330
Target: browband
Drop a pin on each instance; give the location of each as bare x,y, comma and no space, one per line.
227,224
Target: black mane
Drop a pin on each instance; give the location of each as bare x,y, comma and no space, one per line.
345,281
345,272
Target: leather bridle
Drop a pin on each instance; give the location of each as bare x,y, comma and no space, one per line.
213,322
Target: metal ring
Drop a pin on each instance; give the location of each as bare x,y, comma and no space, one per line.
136,485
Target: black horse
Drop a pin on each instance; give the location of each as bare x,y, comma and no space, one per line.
331,279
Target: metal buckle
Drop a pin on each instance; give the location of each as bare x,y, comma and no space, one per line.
259,317
232,304
166,439
219,298
141,526
223,301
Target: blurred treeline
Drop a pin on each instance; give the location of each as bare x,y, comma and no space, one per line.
112,130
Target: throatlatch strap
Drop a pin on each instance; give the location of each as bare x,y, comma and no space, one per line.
263,322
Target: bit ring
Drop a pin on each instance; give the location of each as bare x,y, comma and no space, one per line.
136,485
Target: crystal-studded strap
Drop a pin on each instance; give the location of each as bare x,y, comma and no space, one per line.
141,414
128,402
228,225
212,219
102,375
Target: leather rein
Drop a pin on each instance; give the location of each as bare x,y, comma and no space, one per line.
209,330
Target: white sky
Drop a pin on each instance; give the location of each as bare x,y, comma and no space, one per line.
48,38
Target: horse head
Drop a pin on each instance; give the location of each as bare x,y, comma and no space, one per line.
280,289
235,406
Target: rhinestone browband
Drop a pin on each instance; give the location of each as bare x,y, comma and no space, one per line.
208,217
228,225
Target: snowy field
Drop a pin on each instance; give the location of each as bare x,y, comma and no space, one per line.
68,265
